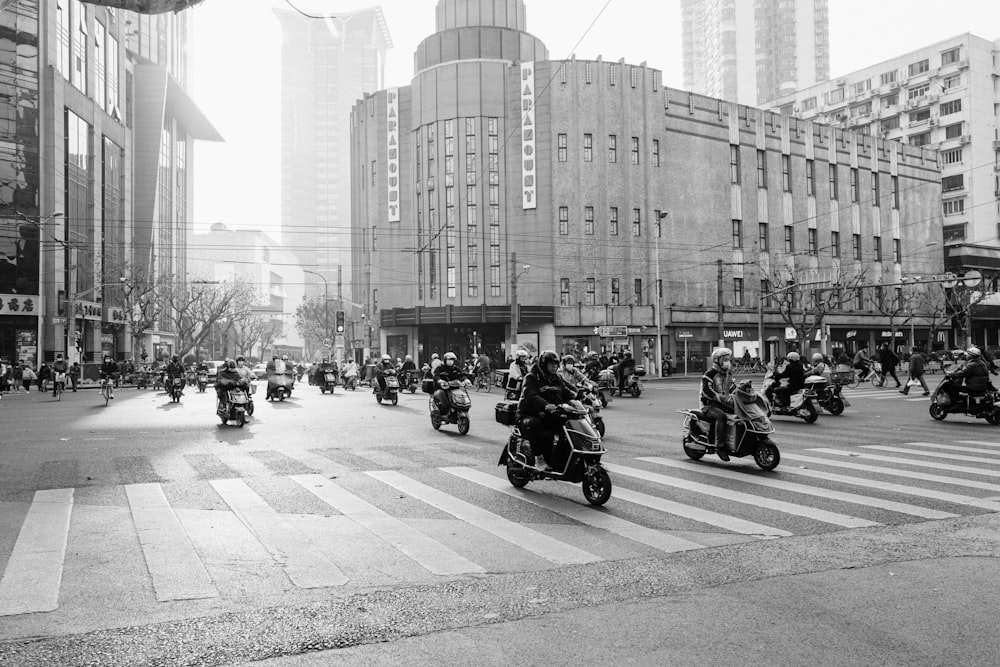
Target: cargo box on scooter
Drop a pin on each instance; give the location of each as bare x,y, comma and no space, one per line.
640,371
506,413
427,385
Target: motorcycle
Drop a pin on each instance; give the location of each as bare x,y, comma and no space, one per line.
391,391
588,395
800,404
575,457
411,381
329,382
192,378
748,431
175,388
159,380
233,407
828,395
980,407
142,380
202,382
279,387
460,402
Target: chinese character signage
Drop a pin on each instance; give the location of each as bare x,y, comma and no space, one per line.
19,304
115,315
392,161
528,162
88,310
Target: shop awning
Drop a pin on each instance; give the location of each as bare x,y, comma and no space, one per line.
772,339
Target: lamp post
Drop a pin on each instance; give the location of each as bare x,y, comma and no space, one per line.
326,303
656,313
514,275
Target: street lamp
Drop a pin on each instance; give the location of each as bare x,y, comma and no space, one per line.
326,303
514,275
656,313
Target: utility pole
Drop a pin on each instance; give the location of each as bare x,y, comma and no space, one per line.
513,303
721,309
659,296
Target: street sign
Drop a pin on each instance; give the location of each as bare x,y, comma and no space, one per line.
611,331
327,343
685,334
339,340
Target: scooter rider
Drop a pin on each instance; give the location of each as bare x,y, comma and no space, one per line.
569,373
443,374
795,375
625,369
519,366
819,367
110,370
229,377
593,367
717,386
245,371
976,375
408,369
385,365
175,369
543,392
321,369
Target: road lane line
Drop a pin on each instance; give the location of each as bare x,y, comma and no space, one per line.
939,454
908,462
305,565
517,534
428,553
979,442
33,574
746,498
771,482
173,564
717,519
927,477
584,514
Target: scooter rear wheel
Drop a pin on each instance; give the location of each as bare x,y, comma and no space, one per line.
436,421
636,392
835,406
808,413
767,456
599,425
597,487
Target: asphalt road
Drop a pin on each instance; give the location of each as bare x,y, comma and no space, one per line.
145,532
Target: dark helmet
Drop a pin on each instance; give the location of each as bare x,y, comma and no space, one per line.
176,357
241,358
231,365
547,357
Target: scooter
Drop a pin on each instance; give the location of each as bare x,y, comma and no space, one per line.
575,456
828,395
411,381
279,387
748,431
633,383
202,382
253,390
192,378
589,397
391,391
233,407
175,388
329,382
980,407
142,380
800,404
458,413
351,380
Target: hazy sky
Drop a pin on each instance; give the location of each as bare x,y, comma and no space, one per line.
236,51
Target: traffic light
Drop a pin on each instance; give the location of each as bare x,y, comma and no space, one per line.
340,322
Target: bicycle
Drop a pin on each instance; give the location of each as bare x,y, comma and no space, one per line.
106,386
484,382
59,385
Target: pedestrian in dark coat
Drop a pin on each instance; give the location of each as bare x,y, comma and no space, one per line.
916,373
888,359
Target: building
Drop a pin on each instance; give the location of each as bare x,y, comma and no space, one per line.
752,51
326,64
607,211
95,188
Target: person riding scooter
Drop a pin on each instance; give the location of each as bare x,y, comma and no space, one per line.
382,370
175,369
541,396
976,376
717,387
229,377
443,374
624,370
819,368
278,369
795,375
320,370
569,373
110,370
408,369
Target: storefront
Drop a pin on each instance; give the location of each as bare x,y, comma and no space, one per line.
18,329
696,344
113,332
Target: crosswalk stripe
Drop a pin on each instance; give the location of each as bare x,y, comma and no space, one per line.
586,515
908,462
305,565
956,481
949,448
771,482
747,498
33,574
988,443
526,538
940,455
430,554
698,514
174,567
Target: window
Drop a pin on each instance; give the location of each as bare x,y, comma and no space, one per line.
615,291
563,220
612,148
859,299
876,191
63,31
636,222
952,183
894,184
564,291
588,148
954,207
854,185
657,220
613,221
954,233
562,72
786,172
789,239
79,73
761,169
950,56
591,292
833,182
737,233
861,109
613,76
890,123
810,178
588,220
919,67
878,248
561,144
921,139
856,241
835,96
880,297
762,237
101,58
809,103
887,77
588,72
656,152
920,115
948,108
917,91
637,290
656,80
113,75
765,289
952,81
835,244
897,251
633,76
813,245
635,150
890,100
952,156
862,86
374,162
953,131
734,164
738,292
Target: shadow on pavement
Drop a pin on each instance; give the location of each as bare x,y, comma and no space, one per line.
169,406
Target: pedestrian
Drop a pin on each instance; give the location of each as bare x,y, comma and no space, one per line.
668,364
74,374
16,379
44,375
916,373
888,359
27,377
4,376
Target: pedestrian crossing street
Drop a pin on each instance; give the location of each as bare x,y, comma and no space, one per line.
865,393
373,526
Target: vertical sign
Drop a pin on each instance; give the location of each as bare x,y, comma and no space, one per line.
392,154
528,162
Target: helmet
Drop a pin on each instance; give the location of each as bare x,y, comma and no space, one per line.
386,357
523,354
974,352
284,357
569,359
546,358
409,357
792,356
241,358
959,354
435,356
230,364
176,357
450,357
720,352
817,358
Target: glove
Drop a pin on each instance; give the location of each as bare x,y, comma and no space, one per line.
551,407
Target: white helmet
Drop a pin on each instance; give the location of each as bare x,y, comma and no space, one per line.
523,354
719,353
792,356
817,358
974,352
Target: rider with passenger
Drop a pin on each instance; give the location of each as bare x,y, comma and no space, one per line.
541,396
794,373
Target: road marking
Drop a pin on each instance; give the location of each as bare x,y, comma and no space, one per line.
700,515
430,554
33,574
908,462
172,562
771,482
746,498
526,538
584,514
326,466
979,442
940,455
305,565
956,481
384,459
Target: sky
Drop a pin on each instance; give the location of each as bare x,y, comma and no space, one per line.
235,68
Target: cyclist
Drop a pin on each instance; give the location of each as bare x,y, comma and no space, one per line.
59,366
862,362
109,370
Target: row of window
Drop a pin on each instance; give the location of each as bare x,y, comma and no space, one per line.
562,149
764,243
613,230
72,35
587,293
588,74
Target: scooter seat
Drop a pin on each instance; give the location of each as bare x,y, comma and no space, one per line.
529,424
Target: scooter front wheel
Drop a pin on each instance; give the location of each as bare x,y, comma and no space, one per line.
938,412
517,476
767,456
597,486
599,425
463,423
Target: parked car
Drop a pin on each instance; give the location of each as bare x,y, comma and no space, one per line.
260,370
213,369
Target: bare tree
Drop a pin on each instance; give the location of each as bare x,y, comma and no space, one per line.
195,310
898,306
137,294
948,308
310,322
253,328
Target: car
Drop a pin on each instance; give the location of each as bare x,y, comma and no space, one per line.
213,369
260,370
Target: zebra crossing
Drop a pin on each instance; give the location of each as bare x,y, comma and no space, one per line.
864,393
373,526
